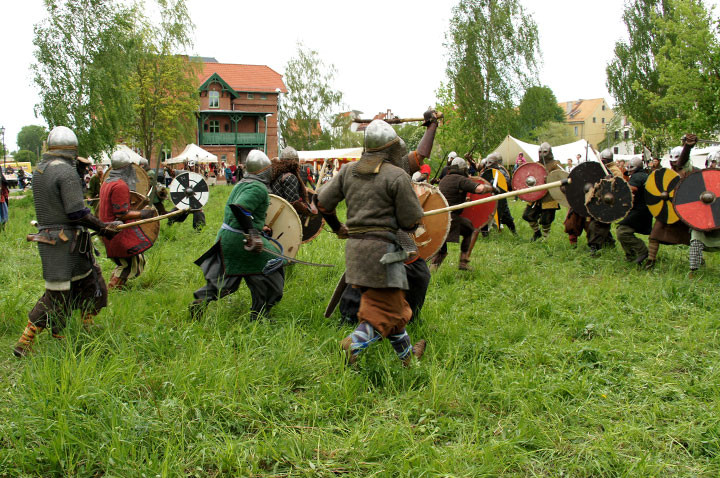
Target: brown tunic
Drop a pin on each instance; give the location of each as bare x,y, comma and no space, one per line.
676,233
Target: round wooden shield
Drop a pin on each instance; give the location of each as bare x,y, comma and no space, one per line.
557,193
285,224
189,190
496,178
142,181
527,176
610,200
482,213
433,230
696,200
583,179
659,193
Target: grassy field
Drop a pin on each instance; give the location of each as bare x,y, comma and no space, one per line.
542,361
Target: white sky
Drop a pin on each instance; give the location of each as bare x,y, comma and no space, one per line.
389,54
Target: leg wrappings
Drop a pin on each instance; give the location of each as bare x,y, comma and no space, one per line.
362,337
653,247
696,254
401,343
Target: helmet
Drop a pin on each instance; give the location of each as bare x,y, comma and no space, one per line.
417,176
545,151
451,156
379,135
635,164
62,137
144,163
256,161
120,159
191,163
459,163
289,154
675,153
494,158
606,156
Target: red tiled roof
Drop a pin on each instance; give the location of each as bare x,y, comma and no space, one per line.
260,78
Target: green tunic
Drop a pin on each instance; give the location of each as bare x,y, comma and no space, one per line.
252,196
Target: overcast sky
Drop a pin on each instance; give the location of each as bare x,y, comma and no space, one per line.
388,54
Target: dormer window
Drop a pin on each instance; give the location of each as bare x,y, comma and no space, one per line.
214,99
251,96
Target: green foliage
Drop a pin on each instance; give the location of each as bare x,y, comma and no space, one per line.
538,106
340,135
163,83
81,69
31,138
552,132
540,362
493,51
306,116
411,134
25,156
666,77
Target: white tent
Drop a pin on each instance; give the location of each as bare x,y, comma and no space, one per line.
511,147
194,152
105,159
350,154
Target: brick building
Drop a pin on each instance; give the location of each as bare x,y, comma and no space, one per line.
238,110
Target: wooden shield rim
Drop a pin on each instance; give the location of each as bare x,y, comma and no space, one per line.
628,192
541,179
471,197
421,250
140,173
556,193
270,221
651,184
685,182
577,185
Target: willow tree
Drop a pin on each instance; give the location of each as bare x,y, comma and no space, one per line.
493,52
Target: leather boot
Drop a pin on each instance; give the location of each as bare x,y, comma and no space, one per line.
116,283
88,323
437,260
536,236
24,344
345,345
417,351
464,261
197,309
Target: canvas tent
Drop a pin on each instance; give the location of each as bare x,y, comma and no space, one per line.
511,147
347,154
194,152
105,158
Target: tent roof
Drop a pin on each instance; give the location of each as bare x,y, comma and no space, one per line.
194,152
346,153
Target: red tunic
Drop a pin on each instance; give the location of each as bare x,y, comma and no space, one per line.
114,202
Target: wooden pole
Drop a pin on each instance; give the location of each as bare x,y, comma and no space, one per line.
153,219
509,194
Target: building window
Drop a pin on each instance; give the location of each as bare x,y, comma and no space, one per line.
617,135
576,130
615,150
251,96
214,126
603,107
594,119
263,96
626,134
214,99
602,120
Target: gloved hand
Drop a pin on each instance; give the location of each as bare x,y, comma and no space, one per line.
434,181
148,213
253,241
342,232
430,117
689,139
110,230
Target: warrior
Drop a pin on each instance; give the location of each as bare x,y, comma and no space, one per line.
73,280
678,232
494,160
598,233
127,248
541,213
4,198
380,203
452,155
639,219
239,251
287,183
703,240
418,273
455,187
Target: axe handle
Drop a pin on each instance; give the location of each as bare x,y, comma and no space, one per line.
396,120
497,197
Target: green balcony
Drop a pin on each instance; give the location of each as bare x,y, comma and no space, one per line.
241,139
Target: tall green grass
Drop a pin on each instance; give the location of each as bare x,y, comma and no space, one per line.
542,361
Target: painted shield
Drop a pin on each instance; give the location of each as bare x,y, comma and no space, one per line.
496,178
696,200
583,179
142,181
659,194
610,200
189,190
527,176
312,224
482,213
433,230
285,224
557,193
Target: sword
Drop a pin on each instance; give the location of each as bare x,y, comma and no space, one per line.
293,260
